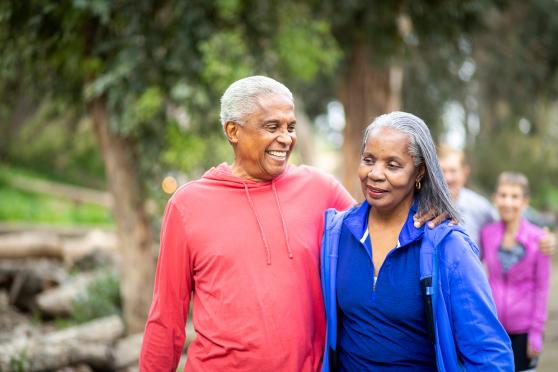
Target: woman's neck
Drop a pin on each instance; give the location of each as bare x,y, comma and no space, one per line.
512,227
396,216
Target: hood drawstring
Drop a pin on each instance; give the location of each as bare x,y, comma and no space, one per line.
289,251
262,234
267,250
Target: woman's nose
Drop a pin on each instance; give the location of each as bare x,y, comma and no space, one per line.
375,173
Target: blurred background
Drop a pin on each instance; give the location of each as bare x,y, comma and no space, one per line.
106,107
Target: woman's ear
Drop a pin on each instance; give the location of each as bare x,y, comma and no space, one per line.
421,172
231,131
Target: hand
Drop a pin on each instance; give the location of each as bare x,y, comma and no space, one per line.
433,217
532,353
547,244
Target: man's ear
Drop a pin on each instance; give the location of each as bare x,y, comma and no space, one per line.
467,171
231,131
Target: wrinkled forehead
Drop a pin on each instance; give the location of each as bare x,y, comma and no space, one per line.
387,139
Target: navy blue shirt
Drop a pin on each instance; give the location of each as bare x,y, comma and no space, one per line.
381,326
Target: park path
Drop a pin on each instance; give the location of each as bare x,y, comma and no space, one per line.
549,357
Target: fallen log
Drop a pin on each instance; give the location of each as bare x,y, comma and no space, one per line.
30,244
59,301
48,244
127,351
89,343
25,278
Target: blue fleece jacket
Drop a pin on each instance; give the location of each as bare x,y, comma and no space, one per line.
467,333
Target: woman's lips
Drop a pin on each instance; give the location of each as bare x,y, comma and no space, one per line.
375,192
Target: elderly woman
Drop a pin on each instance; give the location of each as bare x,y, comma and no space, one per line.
399,297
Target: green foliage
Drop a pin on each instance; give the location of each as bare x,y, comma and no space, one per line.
101,299
17,205
510,150
226,59
305,45
56,143
192,154
20,363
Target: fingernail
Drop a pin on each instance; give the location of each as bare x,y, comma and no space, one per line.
417,224
431,225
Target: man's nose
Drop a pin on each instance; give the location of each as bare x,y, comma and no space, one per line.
285,138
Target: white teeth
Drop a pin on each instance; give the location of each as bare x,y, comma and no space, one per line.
280,154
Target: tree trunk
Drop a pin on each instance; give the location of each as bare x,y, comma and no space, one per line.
366,91
134,234
305,139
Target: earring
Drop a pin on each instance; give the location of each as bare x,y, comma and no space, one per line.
418,185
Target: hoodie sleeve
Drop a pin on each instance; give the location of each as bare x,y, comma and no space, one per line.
165,328
481,341
542,275
340,197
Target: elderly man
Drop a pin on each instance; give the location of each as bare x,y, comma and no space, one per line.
243,243
476,211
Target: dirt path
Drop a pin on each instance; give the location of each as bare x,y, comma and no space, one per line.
549,357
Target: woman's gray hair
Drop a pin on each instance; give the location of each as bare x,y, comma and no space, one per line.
240,98
434,193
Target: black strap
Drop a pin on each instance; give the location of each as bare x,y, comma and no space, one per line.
426,286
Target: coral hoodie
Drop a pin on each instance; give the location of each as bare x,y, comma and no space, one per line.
248,254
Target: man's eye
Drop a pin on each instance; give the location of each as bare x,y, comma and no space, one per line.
291,128
393,165
367,160
271,127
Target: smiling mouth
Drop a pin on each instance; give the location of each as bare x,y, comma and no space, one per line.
375,192
278,155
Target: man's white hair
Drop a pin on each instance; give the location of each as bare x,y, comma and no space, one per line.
240,97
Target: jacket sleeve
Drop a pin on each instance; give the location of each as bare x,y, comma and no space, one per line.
165,328
481,341
542,276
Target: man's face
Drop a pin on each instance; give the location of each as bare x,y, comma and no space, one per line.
455,173
265,140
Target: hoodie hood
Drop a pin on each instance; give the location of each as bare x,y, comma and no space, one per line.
223,176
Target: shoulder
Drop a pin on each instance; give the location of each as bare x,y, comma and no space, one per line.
334,218
530,231
308,173
473,199
187,191
453,243
489,228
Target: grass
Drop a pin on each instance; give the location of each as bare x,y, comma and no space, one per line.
22,206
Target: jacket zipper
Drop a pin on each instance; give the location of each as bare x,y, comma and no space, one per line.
379,272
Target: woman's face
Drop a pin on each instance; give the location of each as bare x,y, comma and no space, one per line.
387,172
510,201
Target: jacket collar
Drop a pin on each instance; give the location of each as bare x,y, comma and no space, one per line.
523,233
357,222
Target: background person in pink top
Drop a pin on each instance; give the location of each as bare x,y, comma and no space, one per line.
518,272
